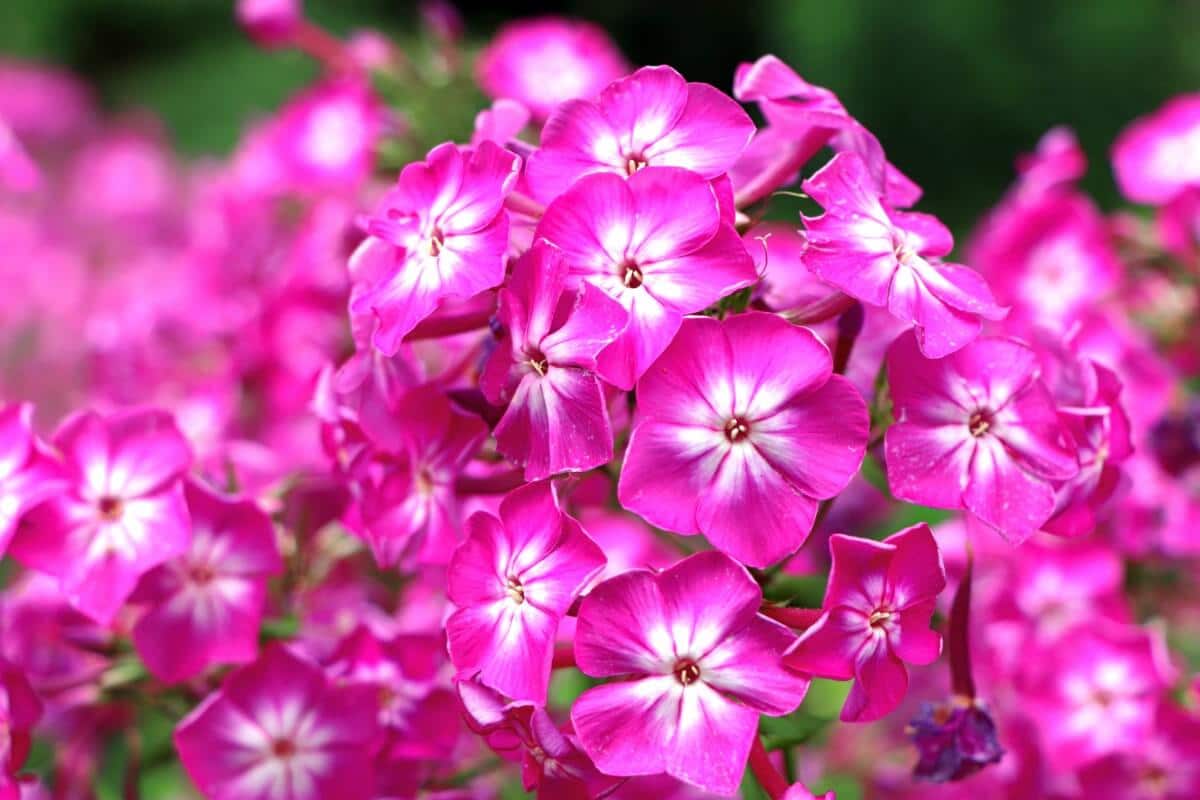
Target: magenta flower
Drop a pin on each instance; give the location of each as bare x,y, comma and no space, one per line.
657,244
697,665
123,514
547,61
652,118
406,496
279,730
875,619
979,431
1097,692
271,23
513,579
891,258
1159,155
204,607
441,232
556,418
741,429
552,763
28,473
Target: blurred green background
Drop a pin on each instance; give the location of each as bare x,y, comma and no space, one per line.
954,88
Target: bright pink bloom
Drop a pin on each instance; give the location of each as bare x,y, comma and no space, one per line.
20,710
552,762
875,619
1057,161
441,233
545,368
741,429
271,23
892,258
694,674
656,243
406,498
803,118
28,473
123,514
278,729
1179,225
1164,766
798,791
1159,154
326,137
417,710
1097,692
204,607
653,118
513,579
977,430
547,61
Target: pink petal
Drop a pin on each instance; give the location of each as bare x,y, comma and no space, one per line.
915,574
697,625
645,106
592,223
694,281
857,578
751,512
708,137
650,329
881,681
626,727
775,361
595,320
1006,497
941,329
828,648
489,175
577,140
928,465
666,468
916,642
747,664
675,212
623,628
712,740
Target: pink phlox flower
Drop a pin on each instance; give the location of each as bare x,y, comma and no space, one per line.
875,619
977,430
547,61
741,429
29,472
513,579
278,729
652,118
545,368
123,514
405,495
417,708
656,243
1159,155
691,675
552,762
1057,161
892,258
204,607
441,233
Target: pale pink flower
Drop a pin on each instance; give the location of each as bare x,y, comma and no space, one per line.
279,730
123,514
513,579
204,607
875,619
977,430
547,61
692,675
657,244
545,368
652,118
741,430
891,258
441,233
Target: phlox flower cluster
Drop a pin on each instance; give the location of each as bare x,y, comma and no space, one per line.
621,447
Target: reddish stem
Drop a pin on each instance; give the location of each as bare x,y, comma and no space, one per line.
469,316
499,483
774,784
797,618
324,47
961,679
564,656
524,204
849,325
